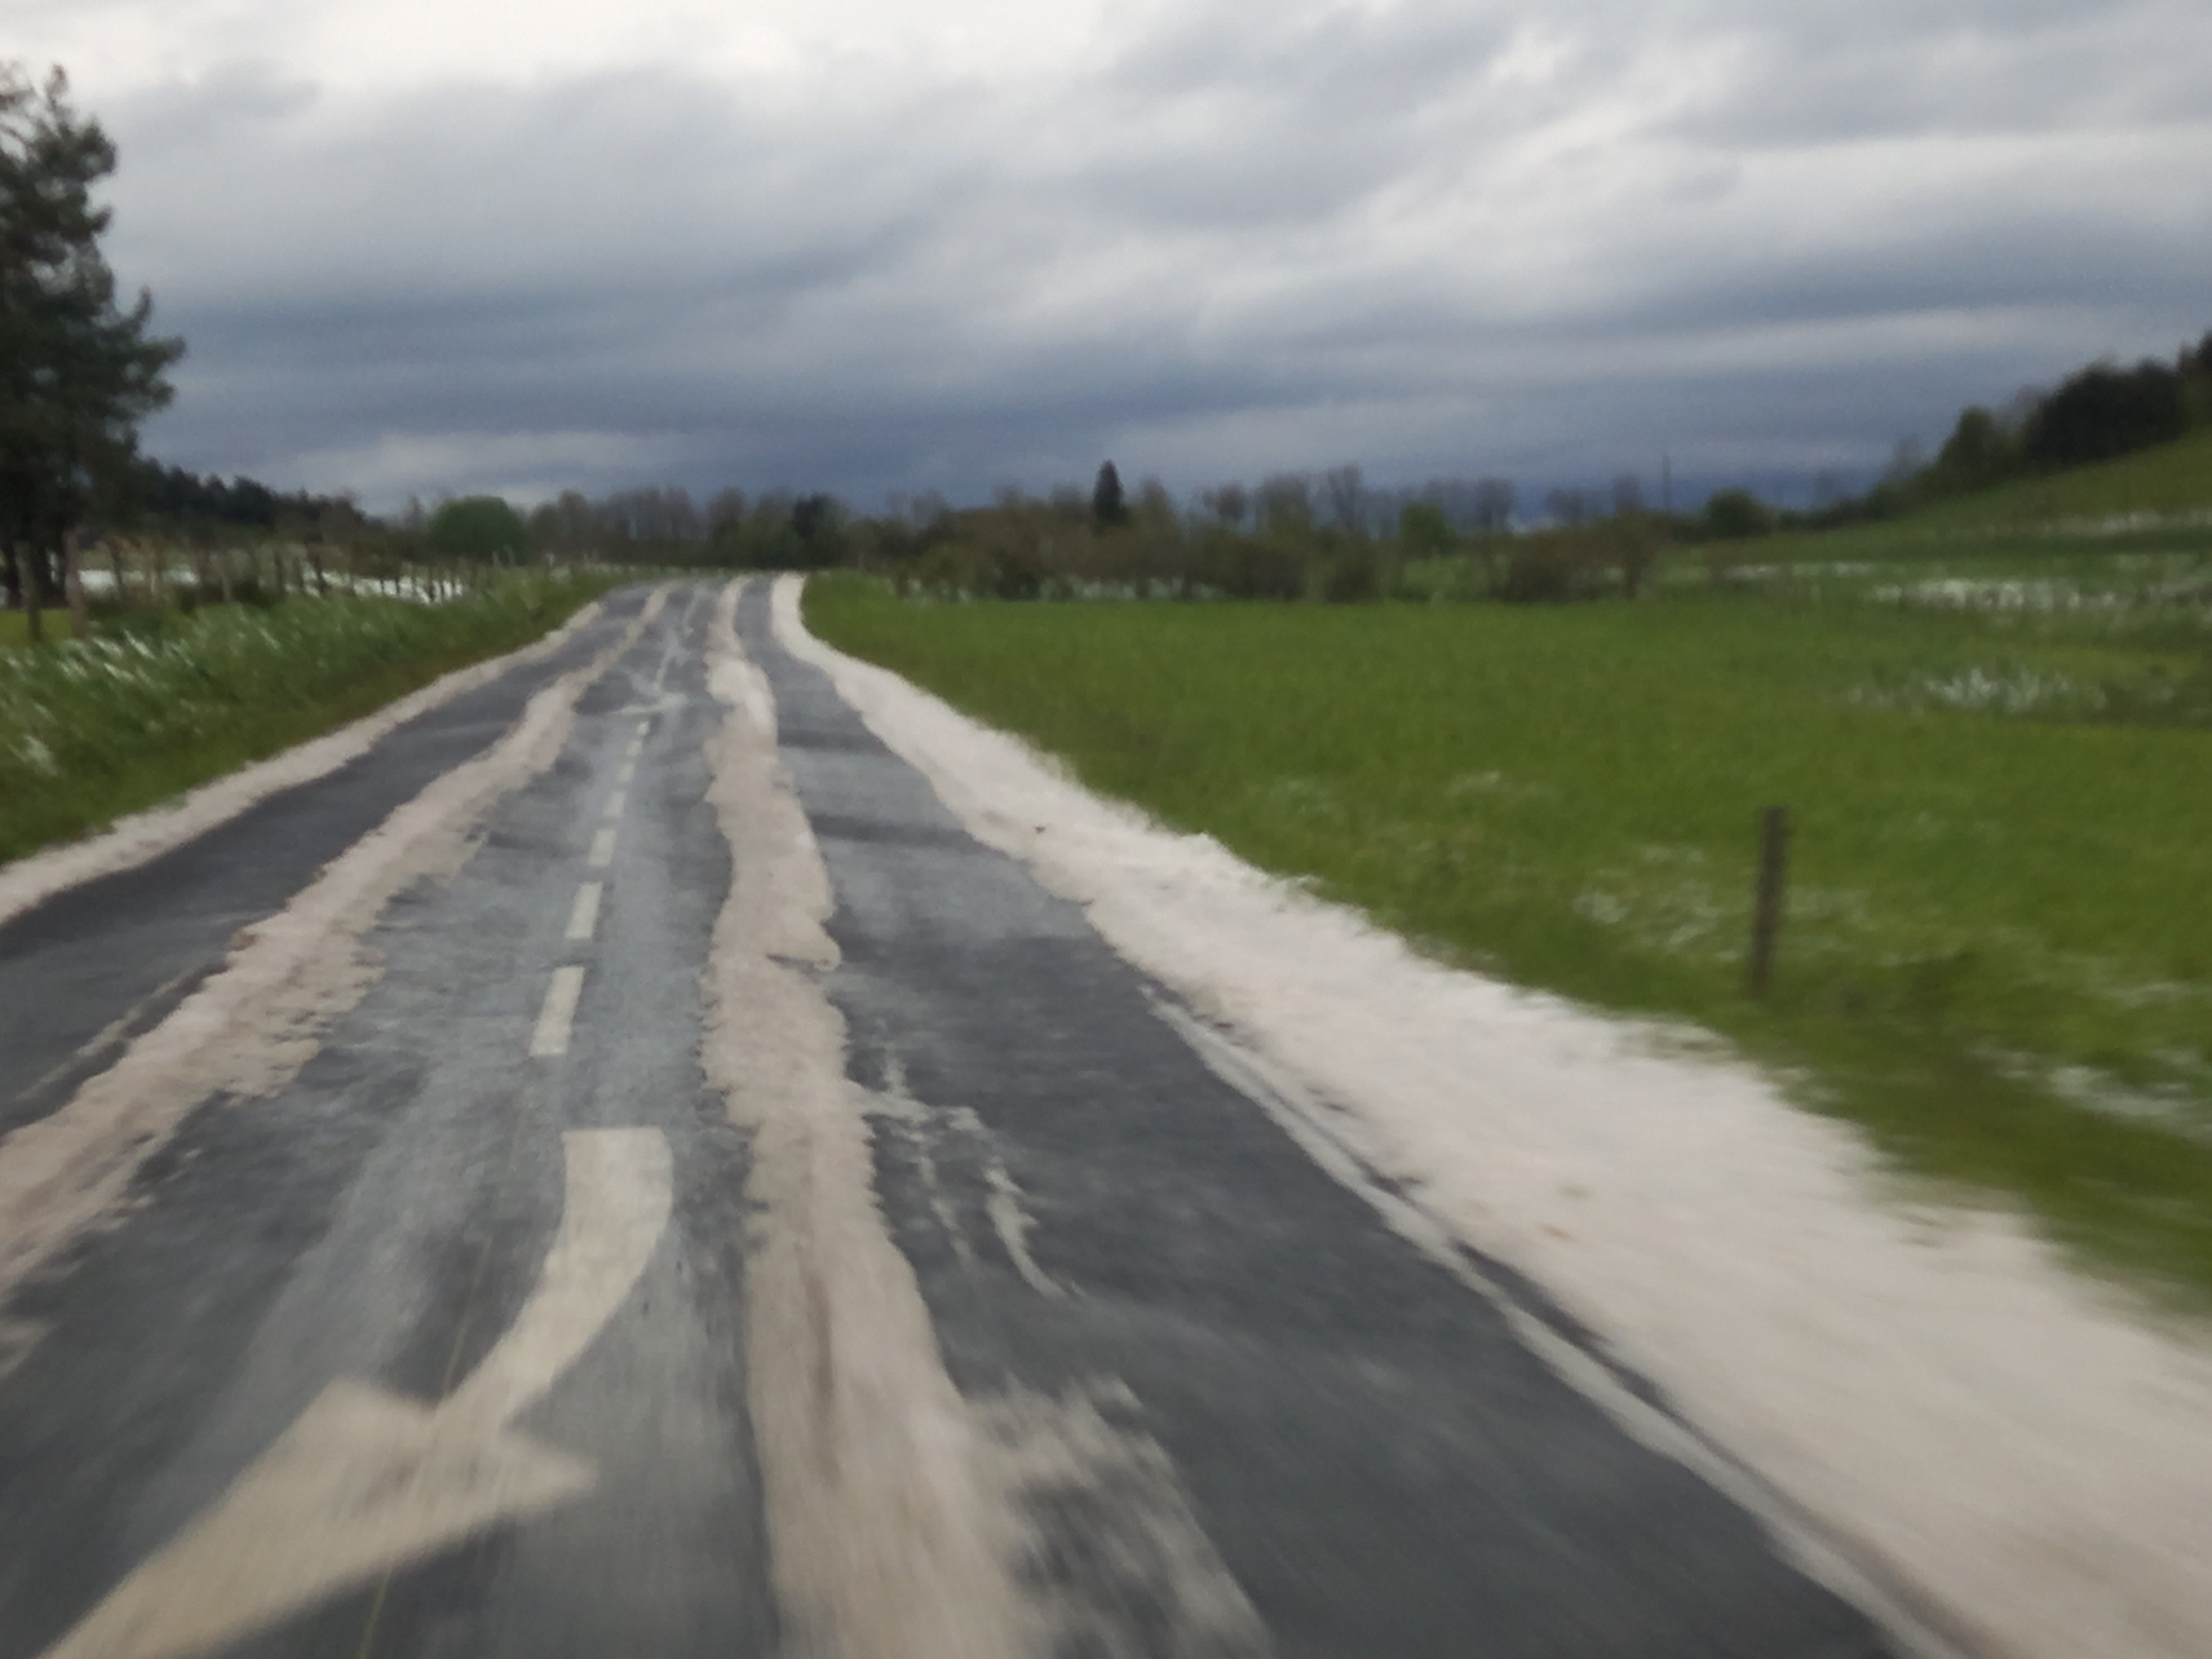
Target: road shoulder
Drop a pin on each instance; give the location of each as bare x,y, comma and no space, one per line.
1969,1420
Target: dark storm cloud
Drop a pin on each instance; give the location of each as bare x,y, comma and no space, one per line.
1426,237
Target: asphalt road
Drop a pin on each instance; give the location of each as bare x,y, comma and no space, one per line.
492,1244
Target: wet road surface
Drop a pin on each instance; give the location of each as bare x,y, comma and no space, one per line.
441,1348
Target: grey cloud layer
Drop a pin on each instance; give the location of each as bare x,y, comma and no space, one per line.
1432,236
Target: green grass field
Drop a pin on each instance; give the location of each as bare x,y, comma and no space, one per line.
2169,479
2154,502
157,703
1996,956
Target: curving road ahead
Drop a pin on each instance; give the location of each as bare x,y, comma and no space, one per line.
581,1235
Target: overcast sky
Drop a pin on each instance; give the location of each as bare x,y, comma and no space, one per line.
439,246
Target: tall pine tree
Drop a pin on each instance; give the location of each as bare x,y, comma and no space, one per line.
78,371
1107,506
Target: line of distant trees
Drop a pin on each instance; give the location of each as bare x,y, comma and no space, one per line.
1327,535
2095,414
776,529
80,369
1324,535
182,505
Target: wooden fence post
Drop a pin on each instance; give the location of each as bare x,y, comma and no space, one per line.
1766,912
80,608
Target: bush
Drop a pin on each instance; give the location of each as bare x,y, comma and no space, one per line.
1352,573
1547,566
1731,514
478,529
1255,567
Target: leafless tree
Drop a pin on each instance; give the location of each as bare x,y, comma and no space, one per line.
725,508
1493,504
1284,503
1568,505
1345,489
1228,503
1155,508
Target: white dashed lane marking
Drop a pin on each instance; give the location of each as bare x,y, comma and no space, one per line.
584,916
550,1039
616,802
603,849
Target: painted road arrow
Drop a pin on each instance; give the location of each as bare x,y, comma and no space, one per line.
366,1481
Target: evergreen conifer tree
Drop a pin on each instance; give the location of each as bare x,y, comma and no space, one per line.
1107,506
78,371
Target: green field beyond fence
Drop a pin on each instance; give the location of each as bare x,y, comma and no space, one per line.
1995,955
159,701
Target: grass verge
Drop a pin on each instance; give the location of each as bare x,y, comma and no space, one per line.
92,730
1996,957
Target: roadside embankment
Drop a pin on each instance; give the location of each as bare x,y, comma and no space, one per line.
2025,1446
255,1019
92,730
1992,956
